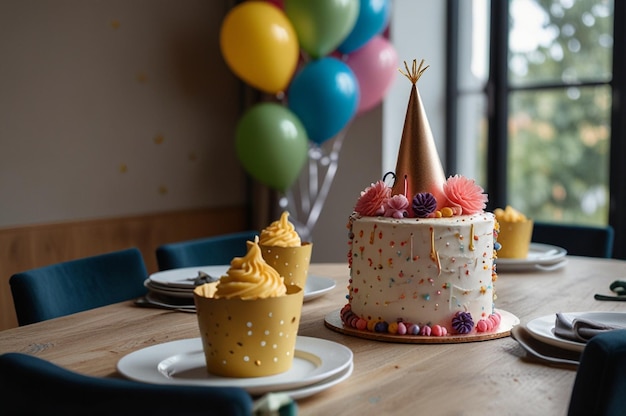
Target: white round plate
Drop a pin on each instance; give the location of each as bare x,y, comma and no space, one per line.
540,257
182,362
179,282
155,299
316,286
173,292
307,391
542,328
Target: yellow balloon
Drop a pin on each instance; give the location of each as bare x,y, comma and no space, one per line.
260,45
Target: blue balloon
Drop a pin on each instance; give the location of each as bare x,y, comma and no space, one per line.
325,97
372,20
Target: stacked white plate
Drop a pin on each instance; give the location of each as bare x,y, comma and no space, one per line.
538,337
542,329
541,257
176,286
318,365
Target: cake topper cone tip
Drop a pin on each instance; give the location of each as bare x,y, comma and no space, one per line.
415,72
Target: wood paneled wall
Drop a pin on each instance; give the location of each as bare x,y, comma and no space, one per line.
32,246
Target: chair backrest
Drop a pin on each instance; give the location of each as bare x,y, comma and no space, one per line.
32,386
600,385
77,285
578,240
204,251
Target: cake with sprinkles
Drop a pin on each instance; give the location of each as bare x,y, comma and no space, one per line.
421,246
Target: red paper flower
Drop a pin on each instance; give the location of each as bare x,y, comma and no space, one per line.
372,199
465,194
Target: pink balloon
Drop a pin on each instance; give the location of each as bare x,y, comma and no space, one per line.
375,66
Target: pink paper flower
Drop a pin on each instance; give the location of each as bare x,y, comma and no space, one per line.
397,207
372,200
465,194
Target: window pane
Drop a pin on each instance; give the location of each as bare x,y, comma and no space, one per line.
472,137
473,57
559,154
560,41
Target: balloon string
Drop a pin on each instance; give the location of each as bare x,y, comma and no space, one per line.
327,182
313,179
308,207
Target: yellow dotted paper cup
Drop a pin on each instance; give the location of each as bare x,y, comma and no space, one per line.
514,237
292,263
248,338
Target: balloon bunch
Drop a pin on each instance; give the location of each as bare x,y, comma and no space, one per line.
324,62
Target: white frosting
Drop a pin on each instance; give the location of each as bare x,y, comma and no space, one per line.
422,270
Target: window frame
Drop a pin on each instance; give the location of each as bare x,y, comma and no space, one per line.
497,90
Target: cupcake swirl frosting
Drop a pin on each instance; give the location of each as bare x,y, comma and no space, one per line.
250,277
280,233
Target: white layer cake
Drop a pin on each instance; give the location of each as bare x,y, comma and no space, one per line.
423,271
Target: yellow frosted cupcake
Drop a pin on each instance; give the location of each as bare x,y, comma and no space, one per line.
249,320
283,249
515,233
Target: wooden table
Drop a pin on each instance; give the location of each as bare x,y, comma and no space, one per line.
480,378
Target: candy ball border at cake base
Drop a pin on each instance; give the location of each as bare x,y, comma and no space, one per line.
400,327
333,321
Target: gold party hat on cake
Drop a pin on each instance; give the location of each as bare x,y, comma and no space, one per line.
418,168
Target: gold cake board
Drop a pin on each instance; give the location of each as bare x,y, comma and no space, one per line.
508,321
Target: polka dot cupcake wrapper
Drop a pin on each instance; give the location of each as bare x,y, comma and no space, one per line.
292,263
249,338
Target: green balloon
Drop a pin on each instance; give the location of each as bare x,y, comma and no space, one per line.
272,145
322,25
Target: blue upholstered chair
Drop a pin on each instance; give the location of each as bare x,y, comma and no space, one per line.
578,240
32,386
600,385
204,251
77,285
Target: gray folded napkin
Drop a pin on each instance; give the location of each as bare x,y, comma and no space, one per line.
573,328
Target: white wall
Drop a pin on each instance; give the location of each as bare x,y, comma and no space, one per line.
124,107
114,108
418,31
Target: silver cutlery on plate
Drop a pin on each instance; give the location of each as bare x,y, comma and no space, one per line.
201,279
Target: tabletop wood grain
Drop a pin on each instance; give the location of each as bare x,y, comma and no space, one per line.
491,377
